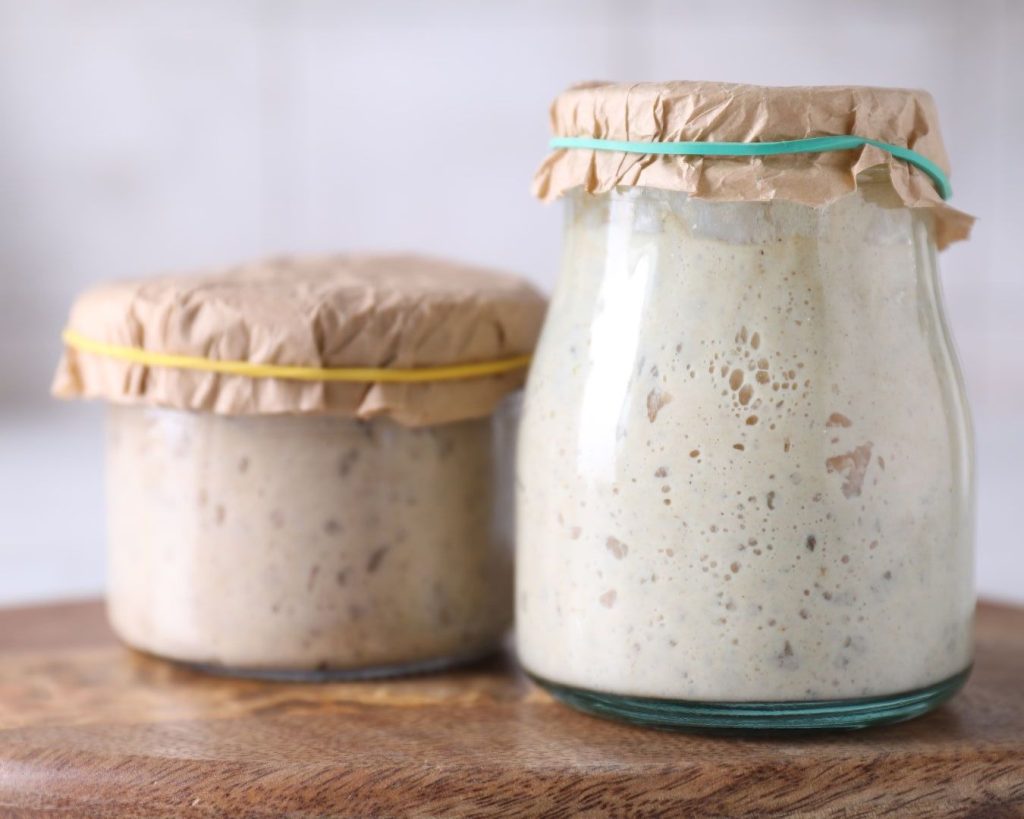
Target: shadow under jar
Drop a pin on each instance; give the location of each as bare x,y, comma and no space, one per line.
309,461
745,471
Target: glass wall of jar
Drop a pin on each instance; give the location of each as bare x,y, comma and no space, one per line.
745,472
297,546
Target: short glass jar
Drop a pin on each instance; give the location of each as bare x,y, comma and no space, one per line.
745,468
309,460
292,546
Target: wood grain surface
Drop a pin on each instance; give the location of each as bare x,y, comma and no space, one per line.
88,727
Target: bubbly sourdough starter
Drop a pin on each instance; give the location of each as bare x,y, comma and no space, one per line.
744,466
306,543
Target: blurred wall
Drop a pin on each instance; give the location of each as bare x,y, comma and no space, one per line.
144,135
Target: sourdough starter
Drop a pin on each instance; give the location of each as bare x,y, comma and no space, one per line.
744,463
287,543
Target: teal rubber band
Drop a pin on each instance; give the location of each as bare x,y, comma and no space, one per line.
811,145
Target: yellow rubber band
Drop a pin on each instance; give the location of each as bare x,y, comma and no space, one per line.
251,369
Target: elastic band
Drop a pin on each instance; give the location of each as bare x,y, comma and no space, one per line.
811,145
250,369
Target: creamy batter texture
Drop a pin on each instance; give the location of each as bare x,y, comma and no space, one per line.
744,463
308,543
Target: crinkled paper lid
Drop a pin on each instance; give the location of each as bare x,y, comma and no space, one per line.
401,314
723,112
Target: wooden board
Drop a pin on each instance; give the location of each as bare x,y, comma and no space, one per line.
89,727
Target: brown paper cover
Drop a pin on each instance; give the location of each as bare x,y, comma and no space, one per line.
400,312
725,112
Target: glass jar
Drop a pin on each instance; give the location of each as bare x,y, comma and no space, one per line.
309,546
309,459
744,493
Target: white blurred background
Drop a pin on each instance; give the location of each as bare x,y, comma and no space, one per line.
140,136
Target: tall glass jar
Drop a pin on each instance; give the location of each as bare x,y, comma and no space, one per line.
745,469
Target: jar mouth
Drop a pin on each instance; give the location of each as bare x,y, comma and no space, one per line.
290,372
874,211
877,179
789,147
418,339
734,142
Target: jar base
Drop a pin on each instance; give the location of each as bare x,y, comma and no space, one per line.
735,717
324,675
